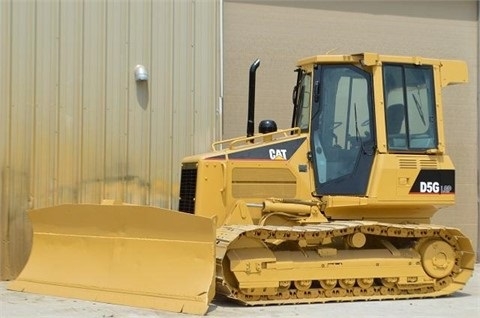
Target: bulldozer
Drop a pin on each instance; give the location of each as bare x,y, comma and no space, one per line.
335,208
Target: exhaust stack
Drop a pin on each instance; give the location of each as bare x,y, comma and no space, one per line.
251,99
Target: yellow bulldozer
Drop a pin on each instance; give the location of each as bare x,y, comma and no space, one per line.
335,208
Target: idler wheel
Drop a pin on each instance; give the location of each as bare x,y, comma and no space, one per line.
438,258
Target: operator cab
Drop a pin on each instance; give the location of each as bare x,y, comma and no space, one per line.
334,103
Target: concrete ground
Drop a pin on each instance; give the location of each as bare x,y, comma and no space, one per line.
465,303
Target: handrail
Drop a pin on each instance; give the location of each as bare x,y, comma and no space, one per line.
240,142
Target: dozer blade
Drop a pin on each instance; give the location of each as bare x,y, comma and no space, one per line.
123,254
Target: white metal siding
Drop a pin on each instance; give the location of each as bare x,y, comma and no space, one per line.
76,126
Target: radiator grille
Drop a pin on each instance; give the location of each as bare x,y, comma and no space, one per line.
188,183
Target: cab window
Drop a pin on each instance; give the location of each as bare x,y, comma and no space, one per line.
409,107
303,102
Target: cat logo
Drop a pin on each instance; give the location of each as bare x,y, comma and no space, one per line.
278,154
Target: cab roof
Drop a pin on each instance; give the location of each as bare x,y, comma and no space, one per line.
452,71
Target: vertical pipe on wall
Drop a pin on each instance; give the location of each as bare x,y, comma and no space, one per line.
219,134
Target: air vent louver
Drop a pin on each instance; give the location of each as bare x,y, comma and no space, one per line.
413,163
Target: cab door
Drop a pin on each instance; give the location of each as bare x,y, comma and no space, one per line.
342,130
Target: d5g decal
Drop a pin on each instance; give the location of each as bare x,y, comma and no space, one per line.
434,182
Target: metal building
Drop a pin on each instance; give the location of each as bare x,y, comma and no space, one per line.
78,126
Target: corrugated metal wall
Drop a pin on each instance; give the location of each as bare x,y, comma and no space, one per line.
76,127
